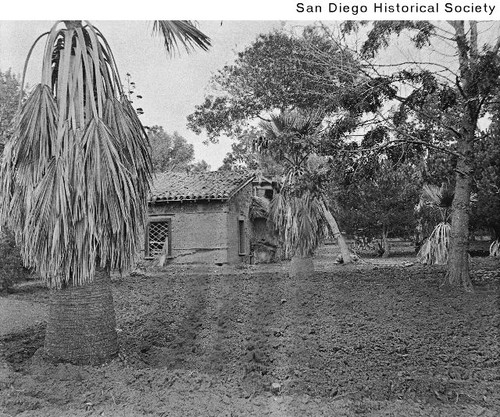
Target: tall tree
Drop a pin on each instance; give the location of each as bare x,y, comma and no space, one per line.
75,180
300,210
450,97
277,72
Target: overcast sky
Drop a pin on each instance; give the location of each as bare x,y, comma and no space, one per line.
171,87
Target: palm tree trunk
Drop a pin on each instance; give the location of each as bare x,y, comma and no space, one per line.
458,261
301,266
334,227
81,327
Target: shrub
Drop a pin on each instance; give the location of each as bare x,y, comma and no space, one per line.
11,267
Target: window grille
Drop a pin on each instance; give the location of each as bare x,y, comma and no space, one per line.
158,238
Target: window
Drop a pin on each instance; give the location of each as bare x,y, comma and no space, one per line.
269,194
158,237
241,236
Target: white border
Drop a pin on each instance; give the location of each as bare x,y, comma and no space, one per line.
246,10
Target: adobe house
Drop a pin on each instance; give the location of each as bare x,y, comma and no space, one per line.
204,217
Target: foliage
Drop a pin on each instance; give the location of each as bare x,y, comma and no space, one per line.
378,199
277,72
298,211
260,207
180,32
10,89
495,248
439,198
310,72
300,222
172,152
199,166
75,177
434,250
486,212
11,266
244,155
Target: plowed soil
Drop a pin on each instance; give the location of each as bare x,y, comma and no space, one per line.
348,340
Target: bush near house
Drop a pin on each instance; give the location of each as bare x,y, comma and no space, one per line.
11,266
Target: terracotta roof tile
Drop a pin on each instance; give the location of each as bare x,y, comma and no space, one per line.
214,185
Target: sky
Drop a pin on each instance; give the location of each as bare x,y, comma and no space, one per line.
171,87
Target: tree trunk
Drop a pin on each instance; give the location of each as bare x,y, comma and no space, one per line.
301,266
81,327
458,260
334,227
385,244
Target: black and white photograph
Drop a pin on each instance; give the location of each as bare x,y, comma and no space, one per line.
252,217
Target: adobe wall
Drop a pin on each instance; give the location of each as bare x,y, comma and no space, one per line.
199,231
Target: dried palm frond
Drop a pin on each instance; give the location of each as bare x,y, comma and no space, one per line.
259,209
300,223
435,249
75,175
495,248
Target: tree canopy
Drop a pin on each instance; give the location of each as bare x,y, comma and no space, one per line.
276,72
172,152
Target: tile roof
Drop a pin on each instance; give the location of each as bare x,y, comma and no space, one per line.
214,185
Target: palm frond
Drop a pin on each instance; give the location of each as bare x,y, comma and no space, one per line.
435,249
495,248
437,196
75,175
183,33
299,221
259,207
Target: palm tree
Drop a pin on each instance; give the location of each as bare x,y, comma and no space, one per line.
74,183
299,212
301,226
435,248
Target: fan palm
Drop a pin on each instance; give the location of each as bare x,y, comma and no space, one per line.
299,212
435,248
301,226
74,183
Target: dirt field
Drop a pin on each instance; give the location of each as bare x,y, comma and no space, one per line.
378,339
